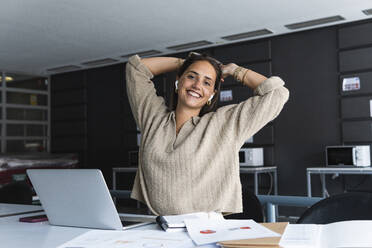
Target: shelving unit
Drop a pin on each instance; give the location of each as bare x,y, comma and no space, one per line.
24,115
355,61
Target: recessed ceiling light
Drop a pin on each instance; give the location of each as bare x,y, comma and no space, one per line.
367,11
190,45
63,68
247,34
314,22
99,62
7,79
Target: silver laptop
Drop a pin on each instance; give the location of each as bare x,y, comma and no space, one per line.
76,197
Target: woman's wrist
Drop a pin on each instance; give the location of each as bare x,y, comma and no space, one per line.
248,77
180,62
239,74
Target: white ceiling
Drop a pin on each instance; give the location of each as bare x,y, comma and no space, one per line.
39,34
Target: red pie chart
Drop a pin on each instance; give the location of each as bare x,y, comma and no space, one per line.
207,231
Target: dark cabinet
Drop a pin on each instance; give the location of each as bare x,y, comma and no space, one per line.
356,107
356,59
355,35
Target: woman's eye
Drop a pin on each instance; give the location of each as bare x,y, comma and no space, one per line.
190,76
207,83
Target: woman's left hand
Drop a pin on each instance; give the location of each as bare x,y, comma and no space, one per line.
228,69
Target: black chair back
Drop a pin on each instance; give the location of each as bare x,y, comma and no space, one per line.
342,207
252,208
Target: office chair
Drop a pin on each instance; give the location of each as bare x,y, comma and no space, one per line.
342,207
252,208
16,193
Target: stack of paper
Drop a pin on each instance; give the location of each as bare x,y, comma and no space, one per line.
152,236
301,236
338,234
130,239
269,242
213,231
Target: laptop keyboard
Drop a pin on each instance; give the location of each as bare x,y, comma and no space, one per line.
129,223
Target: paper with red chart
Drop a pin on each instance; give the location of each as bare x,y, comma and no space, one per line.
212,231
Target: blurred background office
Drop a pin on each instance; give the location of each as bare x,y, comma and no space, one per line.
63,95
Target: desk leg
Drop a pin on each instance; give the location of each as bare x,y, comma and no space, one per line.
255,183
270,212
275,183
322,178
308,175
276,191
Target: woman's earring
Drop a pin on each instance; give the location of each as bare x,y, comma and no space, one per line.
210,100
176,86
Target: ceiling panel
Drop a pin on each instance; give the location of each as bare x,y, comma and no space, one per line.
41,34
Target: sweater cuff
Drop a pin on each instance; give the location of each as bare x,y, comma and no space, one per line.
135,61
268,85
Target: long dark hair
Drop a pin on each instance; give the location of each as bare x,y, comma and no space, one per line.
191,59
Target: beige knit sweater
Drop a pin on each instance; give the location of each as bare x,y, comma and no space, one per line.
198,169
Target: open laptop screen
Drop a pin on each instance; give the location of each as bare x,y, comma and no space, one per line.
75,197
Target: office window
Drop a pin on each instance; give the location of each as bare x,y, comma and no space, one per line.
27,98
24,111
26,82
26,114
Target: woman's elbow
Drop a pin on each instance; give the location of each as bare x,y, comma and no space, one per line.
284,94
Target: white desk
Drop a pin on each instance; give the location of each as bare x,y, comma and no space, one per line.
327,170
243,170
17,209
15,234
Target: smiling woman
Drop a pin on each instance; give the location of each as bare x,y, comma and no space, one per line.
188,159
202,76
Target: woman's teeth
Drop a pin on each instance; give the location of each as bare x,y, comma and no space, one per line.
193,94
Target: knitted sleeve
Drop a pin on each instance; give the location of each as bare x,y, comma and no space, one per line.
246,118
144,102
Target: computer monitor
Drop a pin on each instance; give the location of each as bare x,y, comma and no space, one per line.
339,156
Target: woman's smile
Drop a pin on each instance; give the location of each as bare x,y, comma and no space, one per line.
193,93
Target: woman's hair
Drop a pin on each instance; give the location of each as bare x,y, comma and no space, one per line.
191,59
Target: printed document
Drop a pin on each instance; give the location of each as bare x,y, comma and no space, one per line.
339,234
132,239
212,231
301,236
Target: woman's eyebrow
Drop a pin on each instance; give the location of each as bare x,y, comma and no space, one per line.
199,75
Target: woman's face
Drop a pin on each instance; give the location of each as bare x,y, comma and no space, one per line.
196,85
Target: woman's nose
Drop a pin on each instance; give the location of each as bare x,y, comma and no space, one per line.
196,84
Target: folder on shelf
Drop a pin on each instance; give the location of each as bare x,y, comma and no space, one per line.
271,242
